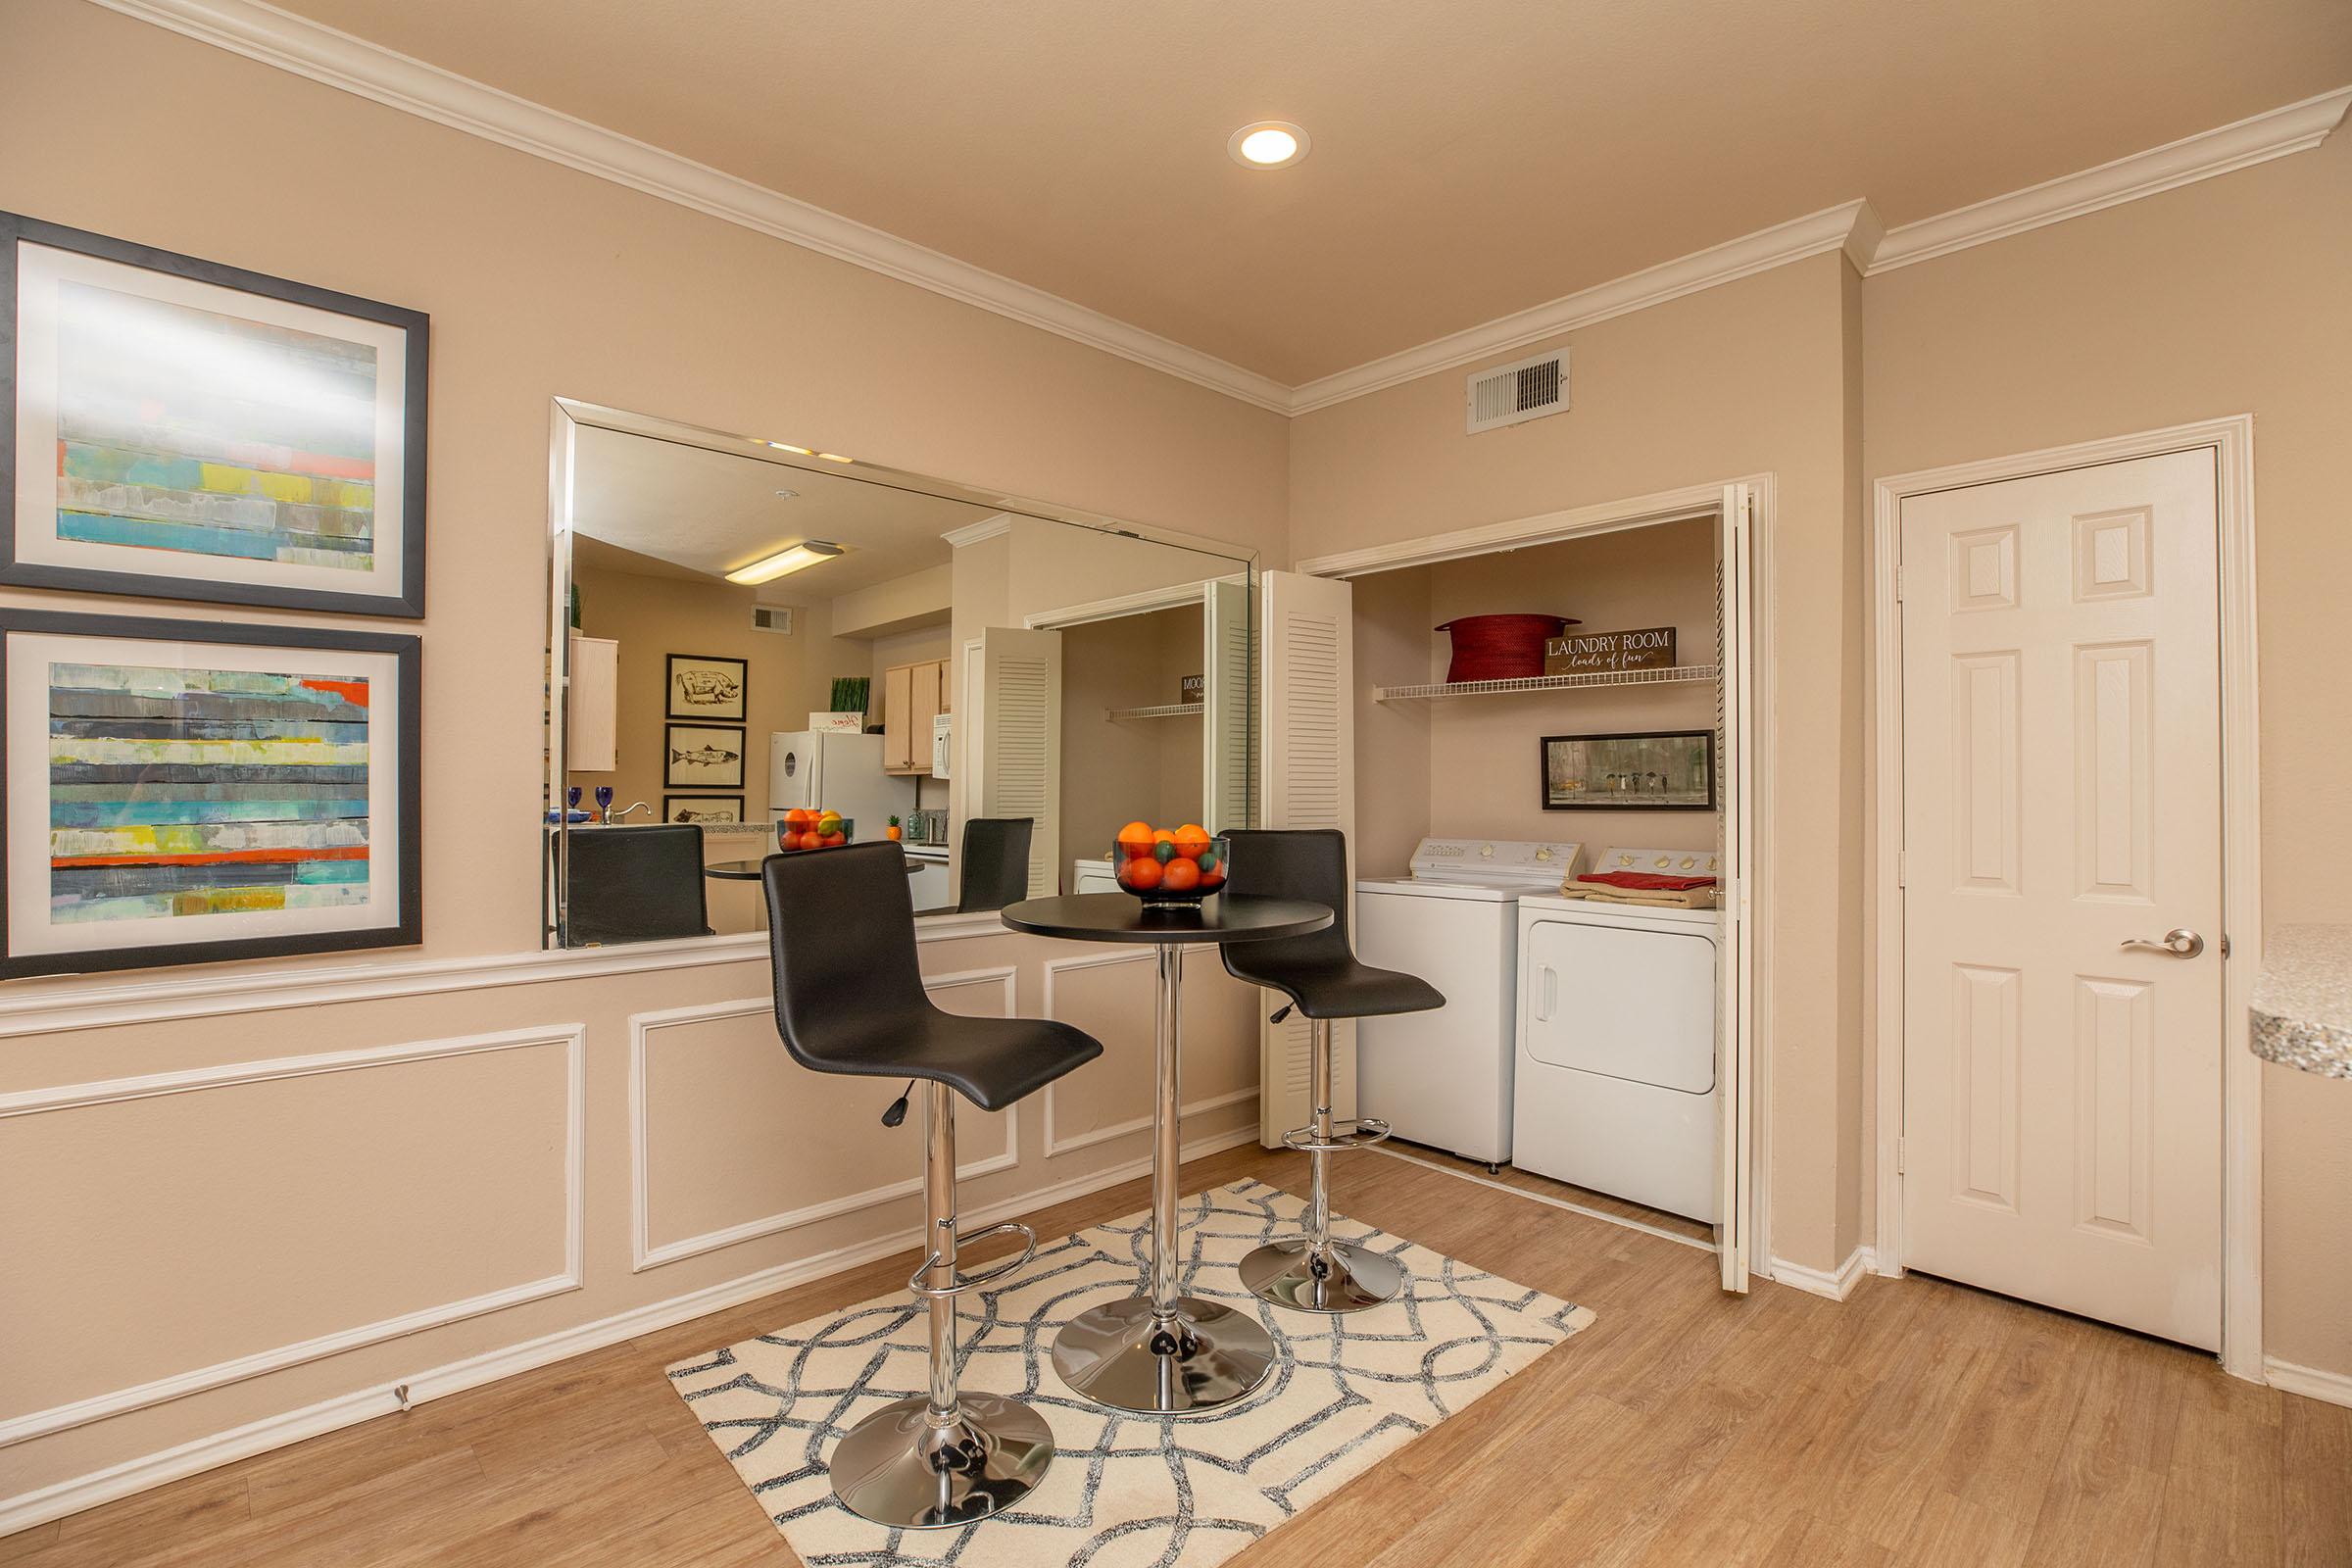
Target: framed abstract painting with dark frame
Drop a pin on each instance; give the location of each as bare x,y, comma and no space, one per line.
190,791
181,430
1639,770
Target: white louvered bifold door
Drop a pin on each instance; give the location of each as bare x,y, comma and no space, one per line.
1307,754
1734,725
1229,741
1020,740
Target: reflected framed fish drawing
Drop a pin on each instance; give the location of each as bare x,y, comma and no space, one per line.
181,430
701,757
188,792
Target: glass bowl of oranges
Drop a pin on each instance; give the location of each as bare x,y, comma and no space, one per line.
1169,867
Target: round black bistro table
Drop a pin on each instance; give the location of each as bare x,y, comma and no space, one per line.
749,870
1162,1354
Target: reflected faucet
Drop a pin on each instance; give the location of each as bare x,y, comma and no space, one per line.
633,806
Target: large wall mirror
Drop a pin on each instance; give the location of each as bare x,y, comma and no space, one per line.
758,649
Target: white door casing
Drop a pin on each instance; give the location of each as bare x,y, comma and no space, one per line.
1308,773
1019,722
1228,748
1736,949
2061,1093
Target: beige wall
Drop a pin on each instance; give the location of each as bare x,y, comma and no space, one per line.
320,1204
1748,379
2232,296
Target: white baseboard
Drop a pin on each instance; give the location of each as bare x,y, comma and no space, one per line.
2335,1388
1835,1286
72,1496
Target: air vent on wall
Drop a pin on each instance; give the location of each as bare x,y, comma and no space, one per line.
1525,390
772,618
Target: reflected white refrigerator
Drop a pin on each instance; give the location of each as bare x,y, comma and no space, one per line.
819,769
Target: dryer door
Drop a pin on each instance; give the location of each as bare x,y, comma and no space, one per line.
1627,1003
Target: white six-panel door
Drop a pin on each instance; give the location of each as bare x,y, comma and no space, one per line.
2062,1114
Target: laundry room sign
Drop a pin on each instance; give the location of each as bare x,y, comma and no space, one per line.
1604,652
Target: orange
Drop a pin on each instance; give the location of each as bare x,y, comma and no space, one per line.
1139,874
1191,839
1136,839
1180,876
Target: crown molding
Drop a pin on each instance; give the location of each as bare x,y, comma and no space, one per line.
973,533
336,58
2240,144
1849,226
351,65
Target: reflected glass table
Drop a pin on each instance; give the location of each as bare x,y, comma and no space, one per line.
1162,1353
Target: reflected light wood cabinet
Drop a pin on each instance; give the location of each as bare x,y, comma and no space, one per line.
913,695
591,729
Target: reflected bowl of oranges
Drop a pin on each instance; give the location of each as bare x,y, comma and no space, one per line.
1169,867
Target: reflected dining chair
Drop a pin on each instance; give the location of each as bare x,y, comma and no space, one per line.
995,863
1321,976
850,1000
634,884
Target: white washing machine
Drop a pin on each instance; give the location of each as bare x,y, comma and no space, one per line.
1615,1083
1444,1077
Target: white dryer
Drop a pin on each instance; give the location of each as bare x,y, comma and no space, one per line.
1444,1078
1093,876
1615,1083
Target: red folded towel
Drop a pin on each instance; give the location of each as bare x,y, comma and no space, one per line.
1647,881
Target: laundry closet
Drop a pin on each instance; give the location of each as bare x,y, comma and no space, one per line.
1548,849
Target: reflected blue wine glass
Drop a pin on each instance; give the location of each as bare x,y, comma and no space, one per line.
571,796
604,801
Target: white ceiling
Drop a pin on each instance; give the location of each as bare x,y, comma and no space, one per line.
707,513
1469,160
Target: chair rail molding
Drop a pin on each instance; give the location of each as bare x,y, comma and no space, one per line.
572,1037
646,1253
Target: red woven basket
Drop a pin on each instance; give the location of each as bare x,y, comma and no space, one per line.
1500,646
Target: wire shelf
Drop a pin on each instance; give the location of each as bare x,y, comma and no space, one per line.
1664,676
1161,710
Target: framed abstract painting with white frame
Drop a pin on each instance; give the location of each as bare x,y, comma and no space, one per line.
181,430
191,791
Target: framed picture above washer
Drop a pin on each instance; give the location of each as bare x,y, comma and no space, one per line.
192,791
705,808
707,687
701,757
1645,770
181,430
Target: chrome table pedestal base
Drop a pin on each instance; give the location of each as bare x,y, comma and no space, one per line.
1345,1279
895,1468
1121,1355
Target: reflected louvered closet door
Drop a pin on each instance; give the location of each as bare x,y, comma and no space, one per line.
1308,754
1020,740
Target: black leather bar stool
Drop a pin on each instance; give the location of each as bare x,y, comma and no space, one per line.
1319,974
638,883
994,863
849,999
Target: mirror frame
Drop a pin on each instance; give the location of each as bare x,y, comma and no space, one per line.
567,416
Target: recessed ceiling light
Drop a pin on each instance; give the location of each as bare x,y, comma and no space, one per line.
787,495
808,553
1268,144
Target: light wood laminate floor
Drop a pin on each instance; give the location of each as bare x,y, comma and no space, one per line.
1917,1423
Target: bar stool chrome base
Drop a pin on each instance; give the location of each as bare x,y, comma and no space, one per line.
895,1468
1343,1279
1119,1355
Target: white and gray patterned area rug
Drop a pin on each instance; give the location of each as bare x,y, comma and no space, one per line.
1125,1490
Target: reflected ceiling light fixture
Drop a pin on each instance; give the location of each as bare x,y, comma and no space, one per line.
787,495
835,456
808,553
1268,144
786,445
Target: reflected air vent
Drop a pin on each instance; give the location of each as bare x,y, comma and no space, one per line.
772,618
1525,390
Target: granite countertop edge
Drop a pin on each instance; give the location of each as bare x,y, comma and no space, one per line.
2302,1005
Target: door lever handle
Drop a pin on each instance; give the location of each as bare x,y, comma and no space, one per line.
2180,941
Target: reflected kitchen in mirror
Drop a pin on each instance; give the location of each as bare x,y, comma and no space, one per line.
766,648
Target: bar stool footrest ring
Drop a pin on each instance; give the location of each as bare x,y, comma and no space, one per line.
1364,1132
986,1277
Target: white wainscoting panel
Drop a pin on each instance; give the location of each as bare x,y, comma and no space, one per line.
82,1164
1209,1001
808,1107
